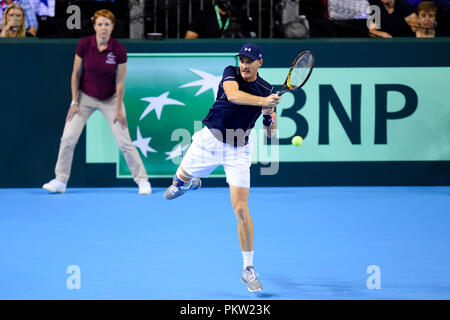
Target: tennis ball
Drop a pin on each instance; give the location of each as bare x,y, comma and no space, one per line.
297,141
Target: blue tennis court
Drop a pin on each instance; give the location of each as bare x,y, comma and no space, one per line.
310,243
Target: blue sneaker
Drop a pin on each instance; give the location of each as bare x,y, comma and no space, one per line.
173,191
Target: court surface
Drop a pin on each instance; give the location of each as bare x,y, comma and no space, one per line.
310,243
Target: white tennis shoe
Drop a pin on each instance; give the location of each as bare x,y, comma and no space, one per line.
173,192
145,187
55,186
250,278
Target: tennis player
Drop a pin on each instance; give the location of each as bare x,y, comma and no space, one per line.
98,82
242,96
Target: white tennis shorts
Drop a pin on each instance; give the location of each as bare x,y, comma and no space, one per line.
206,153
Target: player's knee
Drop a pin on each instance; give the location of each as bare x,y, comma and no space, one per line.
241,211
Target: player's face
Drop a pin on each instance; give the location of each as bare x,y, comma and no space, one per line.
427,19
103,27
249,68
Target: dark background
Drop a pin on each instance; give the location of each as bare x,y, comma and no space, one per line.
36,96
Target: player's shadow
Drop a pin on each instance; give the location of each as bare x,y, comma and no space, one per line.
261,295
265,295
317,288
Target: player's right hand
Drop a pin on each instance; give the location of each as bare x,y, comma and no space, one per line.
72,110
272,100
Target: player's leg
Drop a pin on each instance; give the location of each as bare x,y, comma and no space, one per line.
237,168
193,166
129,151
181,177
199,161
239,200
185,180
181,183
69,139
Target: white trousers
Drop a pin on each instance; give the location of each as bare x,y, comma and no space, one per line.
73,129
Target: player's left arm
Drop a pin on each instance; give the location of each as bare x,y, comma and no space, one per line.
269,121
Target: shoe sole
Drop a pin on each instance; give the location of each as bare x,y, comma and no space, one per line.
53,190
173,197
259,290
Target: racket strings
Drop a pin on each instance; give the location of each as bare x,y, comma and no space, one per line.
300,71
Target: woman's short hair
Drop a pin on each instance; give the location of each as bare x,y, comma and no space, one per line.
104,13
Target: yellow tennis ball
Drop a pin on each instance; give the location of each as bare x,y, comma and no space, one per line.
297,141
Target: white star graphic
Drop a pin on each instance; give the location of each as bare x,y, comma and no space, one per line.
143,143
207,82
158,103
176,152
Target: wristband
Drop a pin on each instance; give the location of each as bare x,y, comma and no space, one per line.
74,103
268,120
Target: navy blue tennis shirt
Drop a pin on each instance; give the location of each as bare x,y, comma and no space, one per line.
225,114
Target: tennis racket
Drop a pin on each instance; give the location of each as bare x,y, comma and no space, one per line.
299,72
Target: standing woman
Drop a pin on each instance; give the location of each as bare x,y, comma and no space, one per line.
97,83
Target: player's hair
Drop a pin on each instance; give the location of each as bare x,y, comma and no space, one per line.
21,30
427,6
103,13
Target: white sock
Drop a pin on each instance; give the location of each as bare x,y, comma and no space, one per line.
248,258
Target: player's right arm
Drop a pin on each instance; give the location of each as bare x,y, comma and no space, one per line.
237,96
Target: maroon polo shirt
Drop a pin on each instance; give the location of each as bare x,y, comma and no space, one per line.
99,68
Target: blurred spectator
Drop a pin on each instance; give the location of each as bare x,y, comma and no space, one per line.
13,23
426,13
210,22
414,3
226,19
31,24
289,24
349,9
397,19
44,8
443,17
336,18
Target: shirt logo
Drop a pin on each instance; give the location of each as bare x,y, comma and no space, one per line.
111,58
